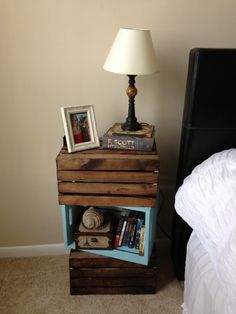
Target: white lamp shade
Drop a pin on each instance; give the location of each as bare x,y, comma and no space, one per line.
132,53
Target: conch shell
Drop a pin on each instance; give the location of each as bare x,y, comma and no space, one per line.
93,218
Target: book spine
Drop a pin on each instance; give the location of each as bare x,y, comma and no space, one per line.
130,230
127,143
138,231
118,231
127,231
141,243
133,232
123,230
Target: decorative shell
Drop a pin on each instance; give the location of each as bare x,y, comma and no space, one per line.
92,218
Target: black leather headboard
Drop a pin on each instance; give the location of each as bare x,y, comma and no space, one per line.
209,125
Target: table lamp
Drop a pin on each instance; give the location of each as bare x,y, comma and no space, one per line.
132,53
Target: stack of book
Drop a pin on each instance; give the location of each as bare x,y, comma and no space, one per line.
130,231
116,138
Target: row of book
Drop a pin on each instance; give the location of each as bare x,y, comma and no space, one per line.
130,230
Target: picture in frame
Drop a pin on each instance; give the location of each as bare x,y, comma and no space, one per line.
80,127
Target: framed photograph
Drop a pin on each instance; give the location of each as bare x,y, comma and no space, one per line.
80,127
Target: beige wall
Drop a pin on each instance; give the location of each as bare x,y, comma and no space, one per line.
51,55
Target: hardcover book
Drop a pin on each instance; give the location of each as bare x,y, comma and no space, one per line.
146,131
120,230
140,223
127,230
116,138
132,233
141,241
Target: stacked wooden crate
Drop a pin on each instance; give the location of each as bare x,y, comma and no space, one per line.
109,178
100,177
97,274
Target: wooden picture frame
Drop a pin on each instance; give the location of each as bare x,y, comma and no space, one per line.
80,127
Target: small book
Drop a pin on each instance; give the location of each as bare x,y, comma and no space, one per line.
131,240
127,230
146,130
124,213
130,230
123,230
140,222
141,243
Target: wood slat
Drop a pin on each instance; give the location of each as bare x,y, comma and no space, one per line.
113,290
101,159
81,259
103,200
107,164
111,282
107,188
108,176
108,153
111,272
96,274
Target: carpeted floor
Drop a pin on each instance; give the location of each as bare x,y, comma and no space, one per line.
40,285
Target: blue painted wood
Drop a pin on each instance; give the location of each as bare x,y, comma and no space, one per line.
70,221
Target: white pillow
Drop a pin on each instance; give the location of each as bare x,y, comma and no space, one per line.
207,202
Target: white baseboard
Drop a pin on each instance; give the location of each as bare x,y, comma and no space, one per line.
33,250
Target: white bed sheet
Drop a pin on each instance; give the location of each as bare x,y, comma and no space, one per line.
202,290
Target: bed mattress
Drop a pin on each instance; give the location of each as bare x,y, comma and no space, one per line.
202,290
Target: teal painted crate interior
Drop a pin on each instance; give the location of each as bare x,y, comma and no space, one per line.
70,220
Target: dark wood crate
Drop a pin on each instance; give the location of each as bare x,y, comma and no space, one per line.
100,177
96,274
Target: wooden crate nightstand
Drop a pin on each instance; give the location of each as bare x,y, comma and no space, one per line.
110,180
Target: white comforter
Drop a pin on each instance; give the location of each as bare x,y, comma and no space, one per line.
207,202
202,289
